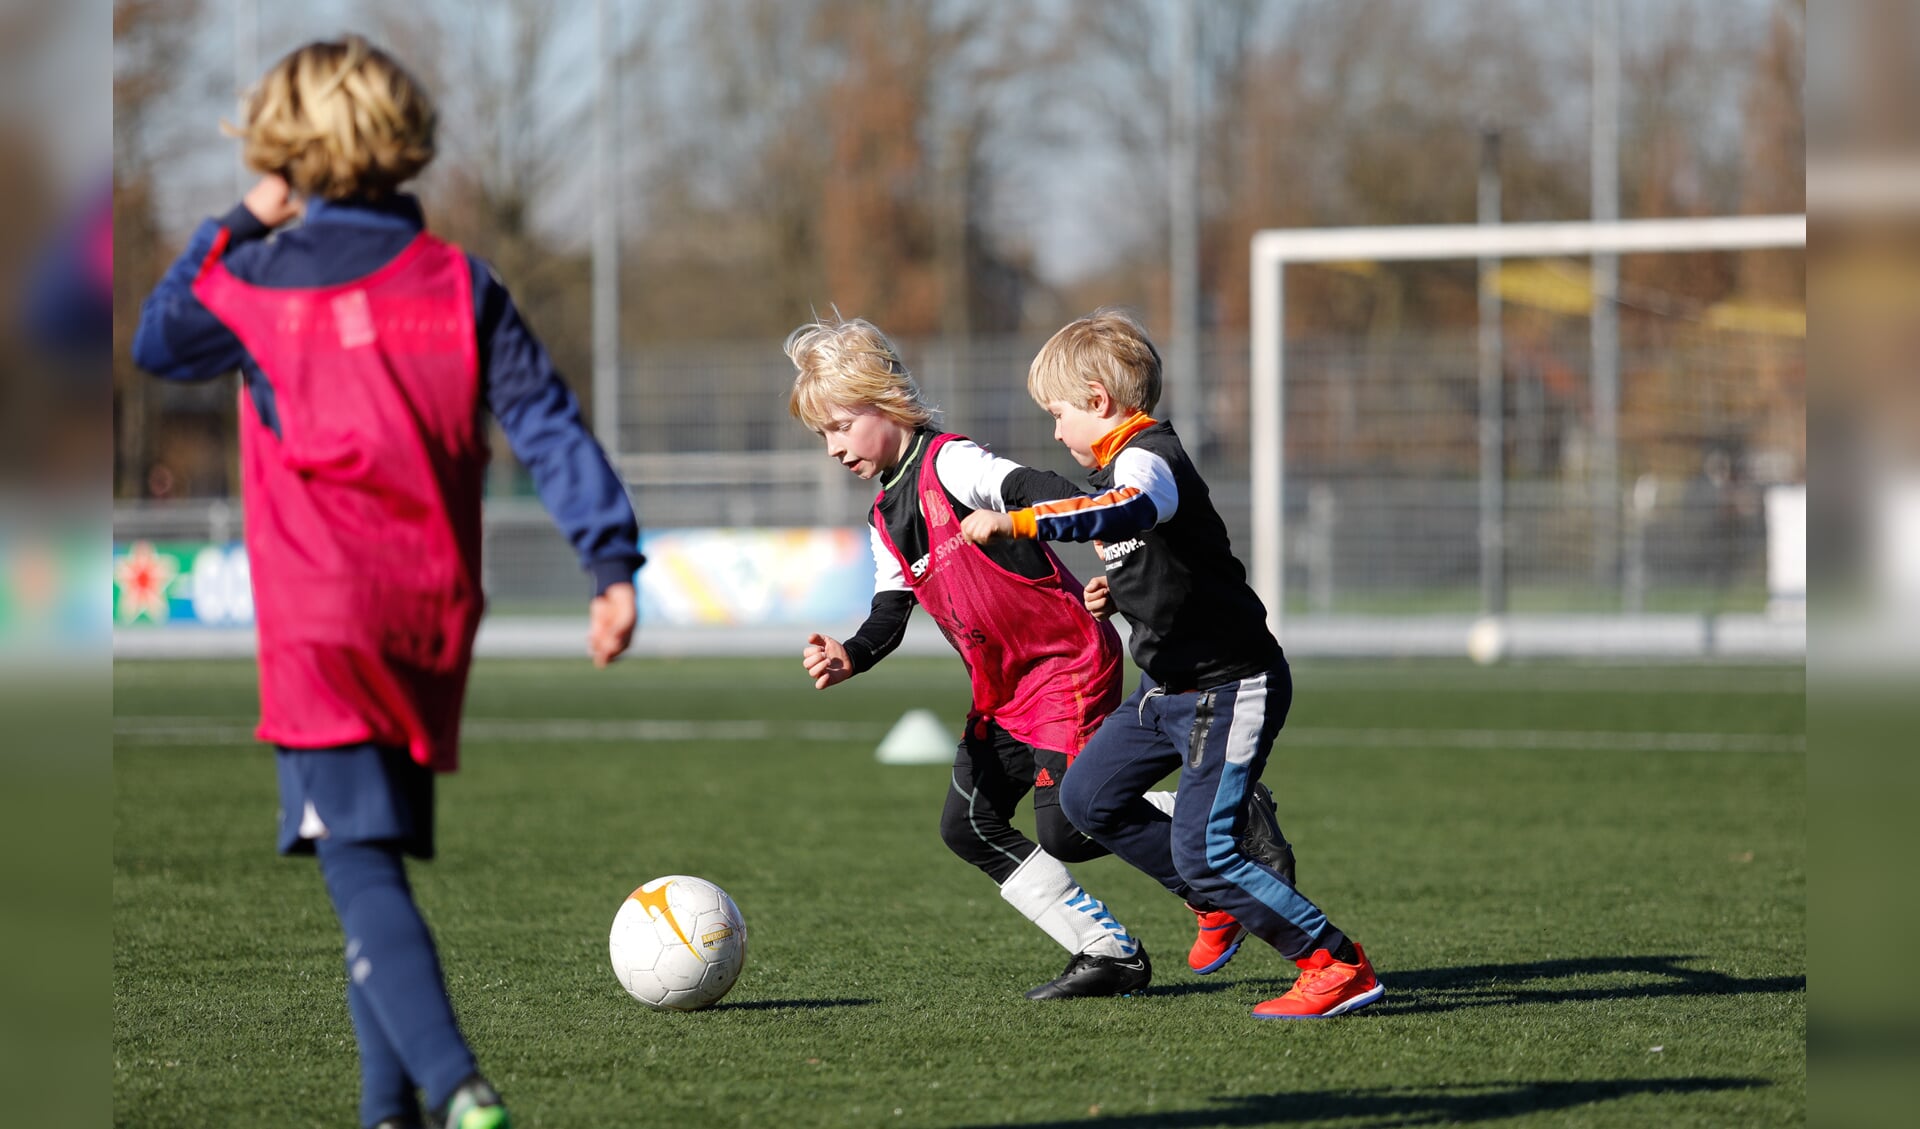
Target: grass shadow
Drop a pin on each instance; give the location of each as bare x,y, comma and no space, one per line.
1252,985
1431,990
1383,1107
783,1005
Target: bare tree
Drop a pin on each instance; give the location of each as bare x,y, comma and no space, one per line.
833,151
510,138
152,40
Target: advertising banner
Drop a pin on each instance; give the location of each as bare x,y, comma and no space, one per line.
156,582
741,577
694,577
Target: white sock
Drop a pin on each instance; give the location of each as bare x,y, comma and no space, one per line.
1045,894
1163,801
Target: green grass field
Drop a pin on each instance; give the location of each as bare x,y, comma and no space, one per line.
1584,887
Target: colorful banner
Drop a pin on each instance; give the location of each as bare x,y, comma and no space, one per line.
181,582
49,588
694,577
738,577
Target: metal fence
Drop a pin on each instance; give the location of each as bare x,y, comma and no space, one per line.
1383,477
1383,459
1382,502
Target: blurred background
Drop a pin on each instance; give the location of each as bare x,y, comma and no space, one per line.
669,188
970,175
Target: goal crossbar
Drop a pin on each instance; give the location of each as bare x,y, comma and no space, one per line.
1274,249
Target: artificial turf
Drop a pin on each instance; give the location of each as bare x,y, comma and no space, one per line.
1584,887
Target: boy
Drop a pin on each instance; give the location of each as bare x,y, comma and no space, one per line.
1044,671
1214,685
367,348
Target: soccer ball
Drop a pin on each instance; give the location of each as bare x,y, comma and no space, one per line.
678,943
1487,641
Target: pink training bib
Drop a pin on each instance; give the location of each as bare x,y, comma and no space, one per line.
1042,668
363,513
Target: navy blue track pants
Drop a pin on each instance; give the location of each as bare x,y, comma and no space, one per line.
1219,740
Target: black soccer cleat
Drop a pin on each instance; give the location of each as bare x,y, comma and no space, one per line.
1262,839
1091,975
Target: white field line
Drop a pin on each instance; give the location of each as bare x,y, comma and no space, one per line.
237,731
1547,740
1582,680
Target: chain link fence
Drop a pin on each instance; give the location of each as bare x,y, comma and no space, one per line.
1382,503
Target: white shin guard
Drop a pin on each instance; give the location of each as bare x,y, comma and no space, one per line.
1046,894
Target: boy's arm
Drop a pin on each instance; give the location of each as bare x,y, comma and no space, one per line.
886,625
543,425
1027,486
985,481
68,305
177,338
829,661
887,617
611,618
1143,495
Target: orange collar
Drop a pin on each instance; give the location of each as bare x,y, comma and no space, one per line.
1108,445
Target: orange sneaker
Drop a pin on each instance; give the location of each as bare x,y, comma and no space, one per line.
1219,938
1326,988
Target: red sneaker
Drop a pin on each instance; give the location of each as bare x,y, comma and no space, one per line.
1219,938
1326,988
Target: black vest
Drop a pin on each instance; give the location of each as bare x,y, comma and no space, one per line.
1196,624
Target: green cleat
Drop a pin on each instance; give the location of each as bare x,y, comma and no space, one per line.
475,1105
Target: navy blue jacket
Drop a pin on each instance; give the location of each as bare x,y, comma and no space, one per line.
68,304
178,339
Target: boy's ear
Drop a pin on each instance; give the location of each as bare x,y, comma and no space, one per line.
1099,400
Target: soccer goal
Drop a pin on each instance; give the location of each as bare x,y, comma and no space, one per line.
1274,250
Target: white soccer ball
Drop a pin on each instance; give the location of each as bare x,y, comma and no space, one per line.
678,943
1487,641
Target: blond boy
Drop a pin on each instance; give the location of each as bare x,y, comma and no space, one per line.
1214,686
1044,671
367,349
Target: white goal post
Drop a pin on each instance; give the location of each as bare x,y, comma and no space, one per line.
1274,249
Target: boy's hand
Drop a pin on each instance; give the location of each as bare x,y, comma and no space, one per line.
611,618
1095,597
982,526
272,202
826,661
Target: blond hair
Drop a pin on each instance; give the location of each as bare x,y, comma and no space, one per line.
849,363
338,118
1107,347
